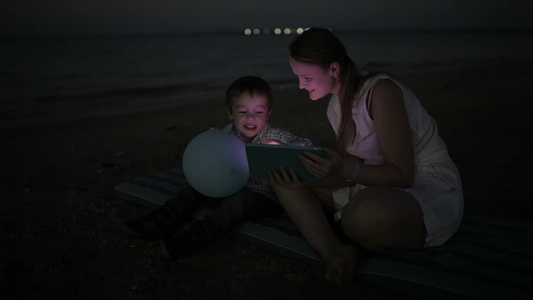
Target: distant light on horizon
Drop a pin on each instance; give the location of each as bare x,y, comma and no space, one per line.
277,31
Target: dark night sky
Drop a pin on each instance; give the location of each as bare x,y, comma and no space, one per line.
36,17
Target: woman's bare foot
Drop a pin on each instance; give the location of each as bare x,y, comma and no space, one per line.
341,264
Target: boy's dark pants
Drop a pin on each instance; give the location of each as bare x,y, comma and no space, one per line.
227,212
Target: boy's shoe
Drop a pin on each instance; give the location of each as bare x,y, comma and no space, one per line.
192,238
156,225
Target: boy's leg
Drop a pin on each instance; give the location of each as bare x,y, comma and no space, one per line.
230,211
244,205
164,221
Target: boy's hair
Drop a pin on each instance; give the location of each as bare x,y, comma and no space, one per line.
251,84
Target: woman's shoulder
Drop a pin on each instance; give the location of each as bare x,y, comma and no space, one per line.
386,91
371,79
380,82
386,85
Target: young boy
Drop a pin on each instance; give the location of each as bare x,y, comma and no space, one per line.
249,104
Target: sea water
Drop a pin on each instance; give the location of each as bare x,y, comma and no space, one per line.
53,78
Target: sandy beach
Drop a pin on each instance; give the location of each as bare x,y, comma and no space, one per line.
58,232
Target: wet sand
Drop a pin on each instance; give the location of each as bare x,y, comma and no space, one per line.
58,230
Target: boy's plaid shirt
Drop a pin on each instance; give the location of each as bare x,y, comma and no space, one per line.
262,185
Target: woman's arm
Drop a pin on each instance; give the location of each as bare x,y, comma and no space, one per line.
394,138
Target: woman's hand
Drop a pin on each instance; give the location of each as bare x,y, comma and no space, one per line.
284,179
323,167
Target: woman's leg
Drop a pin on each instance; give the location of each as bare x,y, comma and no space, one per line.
306,211
380,218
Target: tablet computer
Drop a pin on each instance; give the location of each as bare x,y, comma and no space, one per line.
263,157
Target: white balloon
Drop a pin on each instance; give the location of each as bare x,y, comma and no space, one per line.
215,163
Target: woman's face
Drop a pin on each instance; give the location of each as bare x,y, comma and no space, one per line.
318,81
250,114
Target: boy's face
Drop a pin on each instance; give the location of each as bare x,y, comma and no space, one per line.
249,114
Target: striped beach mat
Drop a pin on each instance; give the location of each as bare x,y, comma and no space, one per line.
487,258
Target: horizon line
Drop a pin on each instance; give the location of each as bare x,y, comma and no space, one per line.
241,32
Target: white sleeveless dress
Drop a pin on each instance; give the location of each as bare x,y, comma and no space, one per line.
437,184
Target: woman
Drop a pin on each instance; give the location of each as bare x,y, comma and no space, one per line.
391,183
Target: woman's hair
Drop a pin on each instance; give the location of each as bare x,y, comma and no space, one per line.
251,84
319,46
